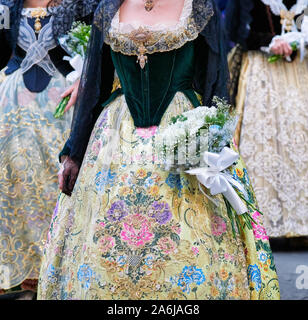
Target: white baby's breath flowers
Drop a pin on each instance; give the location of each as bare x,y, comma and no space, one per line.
181,144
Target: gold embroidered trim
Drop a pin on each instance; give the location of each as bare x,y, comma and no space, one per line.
158,41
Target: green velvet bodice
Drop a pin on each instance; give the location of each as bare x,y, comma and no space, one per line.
149,91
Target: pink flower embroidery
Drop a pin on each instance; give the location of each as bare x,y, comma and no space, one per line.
106,243
96,147
146,133
258,230
236,146
25,97
195,250
57,250
166,245
69,252
54,94
218,226
227,256
4,100
136,231
48,237
176,229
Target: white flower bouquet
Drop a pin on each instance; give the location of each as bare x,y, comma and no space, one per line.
181,144
197,142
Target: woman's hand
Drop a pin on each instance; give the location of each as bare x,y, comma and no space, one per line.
67,175
281,47
60,173
73,91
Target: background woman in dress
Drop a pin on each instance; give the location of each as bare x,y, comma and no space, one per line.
272,99
32,81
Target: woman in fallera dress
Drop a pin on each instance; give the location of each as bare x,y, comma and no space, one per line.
32,81
272,100
127,228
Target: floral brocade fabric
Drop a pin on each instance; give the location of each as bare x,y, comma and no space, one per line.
132,230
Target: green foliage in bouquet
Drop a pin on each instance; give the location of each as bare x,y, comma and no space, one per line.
74,43
223,113
78,38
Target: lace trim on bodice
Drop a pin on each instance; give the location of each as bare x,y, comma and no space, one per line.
123,37
27,12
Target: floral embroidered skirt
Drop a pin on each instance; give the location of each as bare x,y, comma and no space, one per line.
132,230
30,140
272,100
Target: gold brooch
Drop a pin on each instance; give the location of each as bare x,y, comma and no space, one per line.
288,17
141,37
39,13
149,5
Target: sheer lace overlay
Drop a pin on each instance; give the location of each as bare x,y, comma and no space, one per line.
274,141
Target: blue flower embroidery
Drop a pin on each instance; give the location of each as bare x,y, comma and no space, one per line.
121,260
149,261
247,181
51,273
104,178
148,183
235,176
103,119
190,275
84,275
254,275
175,181
262,256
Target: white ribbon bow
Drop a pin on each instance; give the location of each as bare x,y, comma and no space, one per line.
77,63
217,181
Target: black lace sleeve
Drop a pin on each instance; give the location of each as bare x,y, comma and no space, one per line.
222,4
96,82
211,72
93,91
238,20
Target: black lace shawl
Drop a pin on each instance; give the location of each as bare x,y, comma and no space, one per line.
210,79
68,11
222,4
